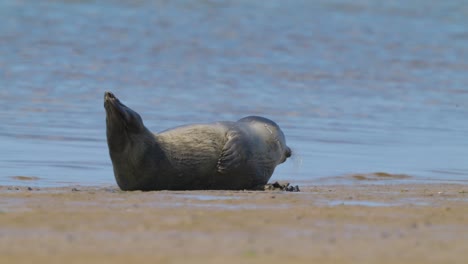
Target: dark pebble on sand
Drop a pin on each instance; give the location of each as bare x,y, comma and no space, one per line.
291,188
30,189
283,186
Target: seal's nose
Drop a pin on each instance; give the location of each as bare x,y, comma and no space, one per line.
108,95
288,152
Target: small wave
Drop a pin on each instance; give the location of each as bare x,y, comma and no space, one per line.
25,178
375,176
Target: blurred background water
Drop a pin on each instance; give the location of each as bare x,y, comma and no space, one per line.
357,86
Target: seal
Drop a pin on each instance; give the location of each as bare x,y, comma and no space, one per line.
222,155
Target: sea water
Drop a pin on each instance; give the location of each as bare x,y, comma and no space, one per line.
357,86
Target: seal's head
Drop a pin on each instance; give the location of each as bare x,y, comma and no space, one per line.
122,122
132,147
272,133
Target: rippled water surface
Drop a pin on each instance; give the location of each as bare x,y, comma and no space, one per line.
357,86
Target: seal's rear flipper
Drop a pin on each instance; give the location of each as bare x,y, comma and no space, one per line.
233,153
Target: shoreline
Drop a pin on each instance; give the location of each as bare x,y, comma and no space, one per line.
377,178
359,223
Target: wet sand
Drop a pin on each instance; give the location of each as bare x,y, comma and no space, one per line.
356,223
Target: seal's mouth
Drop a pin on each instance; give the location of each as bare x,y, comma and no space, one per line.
110,102
113,106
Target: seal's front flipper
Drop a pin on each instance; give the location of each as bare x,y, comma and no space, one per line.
233,154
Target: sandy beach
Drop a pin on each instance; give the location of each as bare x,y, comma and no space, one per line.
356,86
355,223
